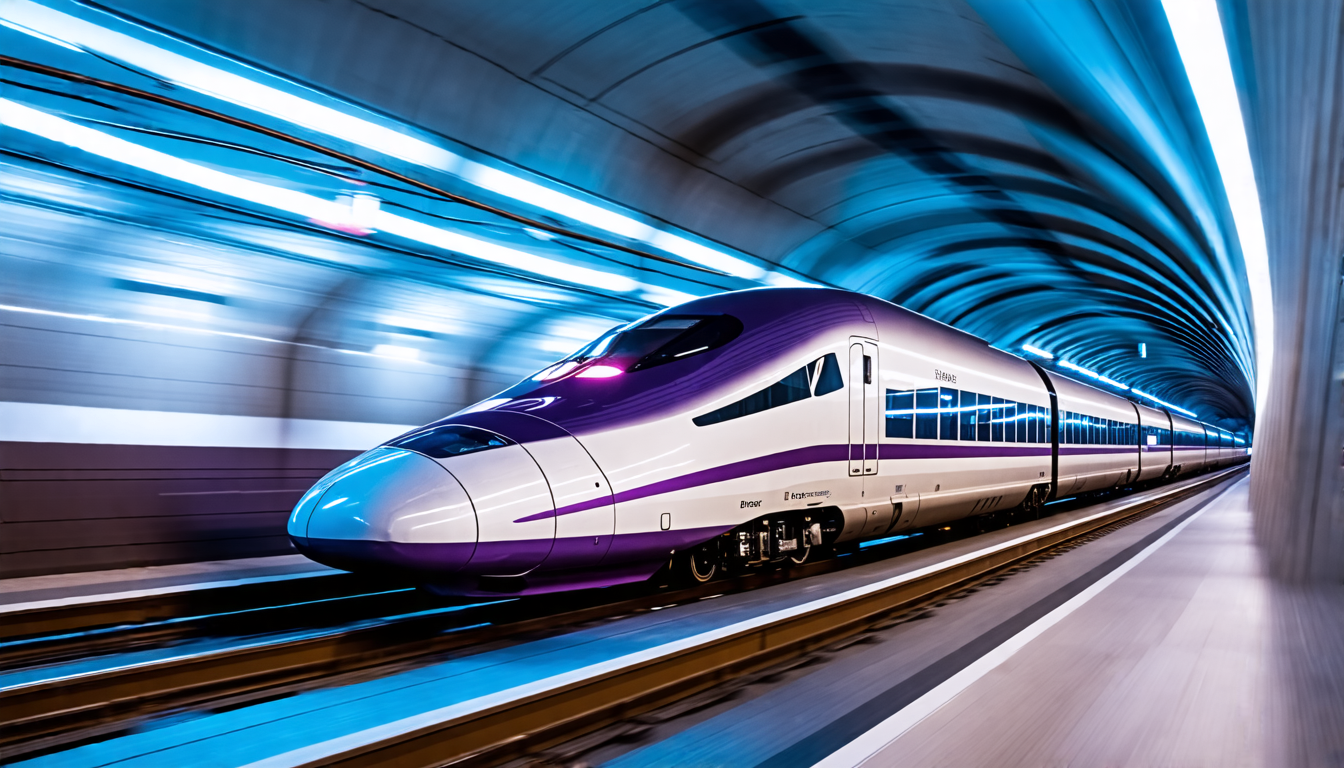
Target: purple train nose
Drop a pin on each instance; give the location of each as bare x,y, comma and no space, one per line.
389,509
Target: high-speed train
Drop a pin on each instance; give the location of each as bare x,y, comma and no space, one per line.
766,425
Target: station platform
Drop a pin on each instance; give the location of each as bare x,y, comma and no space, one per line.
1192,657
90,586
1183,655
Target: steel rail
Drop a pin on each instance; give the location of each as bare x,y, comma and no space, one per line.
168,101
519,722
51,618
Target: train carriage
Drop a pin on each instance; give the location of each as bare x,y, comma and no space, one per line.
731,431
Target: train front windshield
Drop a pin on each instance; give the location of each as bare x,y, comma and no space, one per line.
661,340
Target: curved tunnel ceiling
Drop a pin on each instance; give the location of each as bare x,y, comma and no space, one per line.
1026,179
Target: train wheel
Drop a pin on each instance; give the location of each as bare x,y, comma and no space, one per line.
1033,504
702,563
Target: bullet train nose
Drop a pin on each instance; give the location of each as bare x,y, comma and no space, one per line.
389,509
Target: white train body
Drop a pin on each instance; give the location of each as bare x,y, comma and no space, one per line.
764,422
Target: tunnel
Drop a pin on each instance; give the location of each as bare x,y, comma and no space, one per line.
347,317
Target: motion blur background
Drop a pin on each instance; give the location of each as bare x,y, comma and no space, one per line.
244,241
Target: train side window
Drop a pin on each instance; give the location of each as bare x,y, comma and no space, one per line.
827,379
900,413
1009,421
969,408
789,389
1073,428
926,414
1033,428
996,420
985,410
948,400
1023,415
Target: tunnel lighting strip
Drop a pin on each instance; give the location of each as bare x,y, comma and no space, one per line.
49,126
203,331
1198,31
1037,351
1091,374
52,26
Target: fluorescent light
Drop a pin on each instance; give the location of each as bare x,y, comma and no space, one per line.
73,32
410,229
212,81
1112,382
308,206
1198,32
1093,375
1177,408
1079,369
40,36
705,256
552,200
1037,351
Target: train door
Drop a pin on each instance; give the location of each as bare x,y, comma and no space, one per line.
865,410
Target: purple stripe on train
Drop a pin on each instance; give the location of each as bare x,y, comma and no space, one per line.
815,454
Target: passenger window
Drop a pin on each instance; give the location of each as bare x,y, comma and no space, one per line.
926,414
967,417
817,378
996,420
984,412
790,389
1009,421
1023,416
900,413
948,400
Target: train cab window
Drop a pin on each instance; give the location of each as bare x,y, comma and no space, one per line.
657,340
949,402
926,414
966,418
900,413
450,440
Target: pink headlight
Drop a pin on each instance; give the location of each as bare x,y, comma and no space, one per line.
600,372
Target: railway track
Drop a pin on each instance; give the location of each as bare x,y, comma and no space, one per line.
47,713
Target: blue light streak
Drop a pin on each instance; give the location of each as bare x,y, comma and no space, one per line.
1037,351
1107,380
